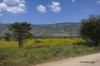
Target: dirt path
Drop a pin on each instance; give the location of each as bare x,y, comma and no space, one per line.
89,60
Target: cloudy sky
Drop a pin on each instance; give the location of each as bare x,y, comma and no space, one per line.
47,11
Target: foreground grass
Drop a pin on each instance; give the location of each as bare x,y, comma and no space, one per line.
43,51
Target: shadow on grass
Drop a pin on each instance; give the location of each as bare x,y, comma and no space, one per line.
87,43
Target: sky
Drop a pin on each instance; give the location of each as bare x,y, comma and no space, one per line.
47,11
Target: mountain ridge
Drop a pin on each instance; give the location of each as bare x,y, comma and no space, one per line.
52,30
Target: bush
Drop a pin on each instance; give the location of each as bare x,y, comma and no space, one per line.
37,41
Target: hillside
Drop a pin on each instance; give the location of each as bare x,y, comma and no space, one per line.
54,30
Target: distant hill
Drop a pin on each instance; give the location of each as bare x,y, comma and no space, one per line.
52,30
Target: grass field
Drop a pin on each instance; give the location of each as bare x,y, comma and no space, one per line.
37,51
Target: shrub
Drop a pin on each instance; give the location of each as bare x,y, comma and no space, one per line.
37,41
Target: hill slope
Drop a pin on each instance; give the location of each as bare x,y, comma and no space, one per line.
54,30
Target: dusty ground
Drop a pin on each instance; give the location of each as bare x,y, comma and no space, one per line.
88,60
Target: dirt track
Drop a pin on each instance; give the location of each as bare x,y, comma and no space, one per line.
88,60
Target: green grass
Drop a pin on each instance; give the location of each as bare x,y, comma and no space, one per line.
47,50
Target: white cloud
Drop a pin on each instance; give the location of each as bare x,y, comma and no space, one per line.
3,6
73,0
0,10
21,5
98,2
55,6
23,1
17,7
41,8
1,14
13,1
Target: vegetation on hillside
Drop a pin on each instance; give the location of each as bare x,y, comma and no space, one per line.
49,30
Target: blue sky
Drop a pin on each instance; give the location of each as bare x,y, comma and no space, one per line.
47,11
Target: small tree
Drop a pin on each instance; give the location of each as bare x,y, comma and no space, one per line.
90,28
20,31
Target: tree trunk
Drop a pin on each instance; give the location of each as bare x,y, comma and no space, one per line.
96,43
19,43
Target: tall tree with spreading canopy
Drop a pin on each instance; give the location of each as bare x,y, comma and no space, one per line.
20,31
90,28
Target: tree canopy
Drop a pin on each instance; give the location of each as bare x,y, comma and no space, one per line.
90,28
20,31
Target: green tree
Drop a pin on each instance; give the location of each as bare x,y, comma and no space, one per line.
20,31
90,28
8,36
